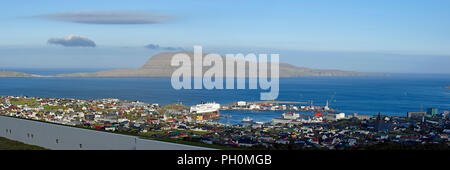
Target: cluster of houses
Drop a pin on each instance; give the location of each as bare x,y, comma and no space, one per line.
102,114
243,105
346,132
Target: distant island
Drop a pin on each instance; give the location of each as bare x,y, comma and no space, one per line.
16,74
159,66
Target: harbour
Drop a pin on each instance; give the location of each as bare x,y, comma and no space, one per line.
198,125
261,111
394,95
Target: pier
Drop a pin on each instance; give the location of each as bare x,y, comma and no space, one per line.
280,102
275,106
270,102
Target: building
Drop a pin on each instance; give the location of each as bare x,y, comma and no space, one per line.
334,117
432,111
359,117
446,114
241,103
340,116
380,125
89,117
416,114
254,107
284,121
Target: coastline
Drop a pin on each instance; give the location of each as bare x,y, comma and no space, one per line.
176,126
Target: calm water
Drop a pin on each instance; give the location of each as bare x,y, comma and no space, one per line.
394,95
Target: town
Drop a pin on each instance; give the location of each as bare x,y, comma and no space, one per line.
196,125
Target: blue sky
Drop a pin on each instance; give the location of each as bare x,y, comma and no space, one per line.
370,36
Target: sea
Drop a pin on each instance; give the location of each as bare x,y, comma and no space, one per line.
392,95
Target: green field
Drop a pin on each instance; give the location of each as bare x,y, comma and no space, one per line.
6,144
29,102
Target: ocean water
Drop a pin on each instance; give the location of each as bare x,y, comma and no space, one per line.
393,95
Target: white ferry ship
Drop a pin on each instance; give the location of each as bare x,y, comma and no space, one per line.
205,108
290,115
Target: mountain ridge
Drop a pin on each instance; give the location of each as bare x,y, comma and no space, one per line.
159,66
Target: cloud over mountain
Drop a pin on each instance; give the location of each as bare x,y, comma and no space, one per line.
109,17
73,41
157,47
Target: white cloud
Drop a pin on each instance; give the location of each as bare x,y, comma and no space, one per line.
109,17
73,41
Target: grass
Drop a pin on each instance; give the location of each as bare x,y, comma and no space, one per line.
6,144
54,107
28,102
176,107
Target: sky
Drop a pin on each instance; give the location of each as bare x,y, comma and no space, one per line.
370,36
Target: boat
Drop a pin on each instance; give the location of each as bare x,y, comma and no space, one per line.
205,108
247,120
290,115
